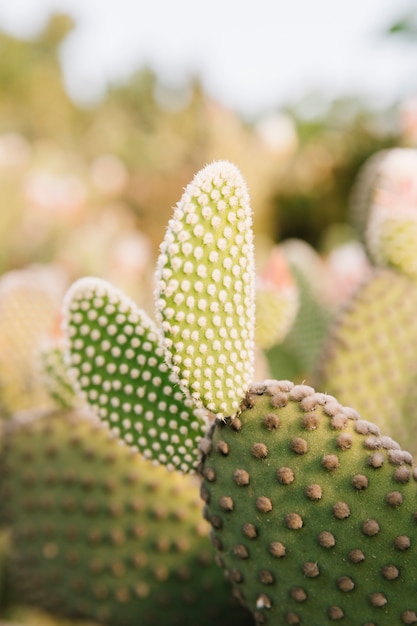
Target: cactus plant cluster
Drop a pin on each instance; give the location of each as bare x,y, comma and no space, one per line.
311,504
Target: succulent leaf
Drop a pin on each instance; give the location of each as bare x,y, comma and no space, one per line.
313,511
205,289
117,364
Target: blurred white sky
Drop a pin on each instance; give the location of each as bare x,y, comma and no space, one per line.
251,55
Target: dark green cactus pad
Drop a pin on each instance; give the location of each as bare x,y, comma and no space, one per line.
100,533
313,513
369,359
118,367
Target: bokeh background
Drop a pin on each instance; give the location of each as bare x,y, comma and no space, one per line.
108,109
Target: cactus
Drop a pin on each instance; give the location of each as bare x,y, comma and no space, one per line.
369,356
29,304
313,513
384,208
312,510
99,533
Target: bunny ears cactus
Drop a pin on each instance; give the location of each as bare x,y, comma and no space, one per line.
206,289
154,384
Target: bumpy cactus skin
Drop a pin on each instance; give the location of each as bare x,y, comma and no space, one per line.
312,512
369,356
99,533
205,293
118,367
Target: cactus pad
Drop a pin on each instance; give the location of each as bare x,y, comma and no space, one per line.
205,289
100,533
313,513
118,366
369,357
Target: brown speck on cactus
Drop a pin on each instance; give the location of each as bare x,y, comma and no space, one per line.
277,549
335,613
409,617
314,492
249,530
378,599
241,477
271,421
226,503
263,504
310,421
345,583
293,521
241,551
376,460
341,510
259,450
311,569
402,475
326,539
285,475
344,441
222,447
370,527
360,482
266,577
330,462
390,572
298,594
394,498
299,445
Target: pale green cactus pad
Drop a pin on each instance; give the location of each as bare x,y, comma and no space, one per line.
29,306
118,367
369,358
205,289
392,241
99,533
313,511
384,208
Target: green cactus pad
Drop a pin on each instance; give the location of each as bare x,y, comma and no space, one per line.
313,513
369,359
205,289
118,367
100,533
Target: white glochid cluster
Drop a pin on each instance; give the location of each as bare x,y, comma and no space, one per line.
117,364
205,289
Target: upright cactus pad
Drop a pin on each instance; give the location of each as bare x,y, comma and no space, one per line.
99,533
313,513
369,358
118,367
205,289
